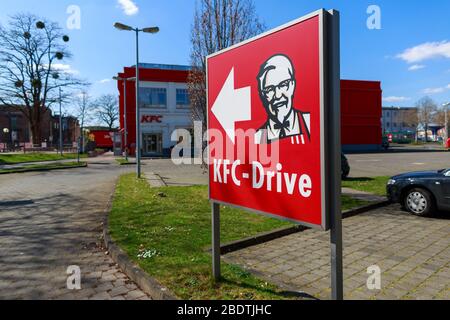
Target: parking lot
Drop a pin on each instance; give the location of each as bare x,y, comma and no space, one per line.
412,253
393,163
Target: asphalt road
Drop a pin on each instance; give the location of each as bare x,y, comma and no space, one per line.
52,220
389,164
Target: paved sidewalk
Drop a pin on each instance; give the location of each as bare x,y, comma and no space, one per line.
413,254
174,175
50,221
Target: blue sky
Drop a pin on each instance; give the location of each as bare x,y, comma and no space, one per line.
410,54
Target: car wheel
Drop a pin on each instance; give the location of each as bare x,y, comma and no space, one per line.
419,202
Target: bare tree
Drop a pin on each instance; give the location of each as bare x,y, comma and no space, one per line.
217,25
107,110
426,109
410,119
441,119
84,112
31,72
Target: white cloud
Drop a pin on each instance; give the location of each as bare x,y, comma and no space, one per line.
65,68
426,51
434,90
128,7
416,67
103,81
396,99
448,87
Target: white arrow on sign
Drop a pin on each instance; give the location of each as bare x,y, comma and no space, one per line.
232,105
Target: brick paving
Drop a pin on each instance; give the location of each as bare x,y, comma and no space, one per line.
50,221
413,254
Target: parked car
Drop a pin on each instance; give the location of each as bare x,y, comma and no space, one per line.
345,167
421,193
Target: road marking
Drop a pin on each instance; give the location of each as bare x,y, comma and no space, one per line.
419,163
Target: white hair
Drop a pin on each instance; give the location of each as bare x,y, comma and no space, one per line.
275,62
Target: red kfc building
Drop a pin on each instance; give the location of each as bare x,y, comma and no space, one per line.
165,107
361,113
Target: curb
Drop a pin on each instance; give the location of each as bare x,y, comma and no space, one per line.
279,233
258,239
146,283
85,165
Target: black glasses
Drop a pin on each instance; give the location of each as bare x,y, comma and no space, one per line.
283,86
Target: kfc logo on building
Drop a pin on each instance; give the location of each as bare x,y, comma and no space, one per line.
151,119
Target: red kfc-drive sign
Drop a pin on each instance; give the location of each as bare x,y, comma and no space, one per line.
266,121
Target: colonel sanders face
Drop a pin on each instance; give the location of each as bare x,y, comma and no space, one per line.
277,86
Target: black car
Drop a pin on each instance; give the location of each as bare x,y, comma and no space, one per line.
421,193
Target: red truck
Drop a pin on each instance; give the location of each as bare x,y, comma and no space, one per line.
103,139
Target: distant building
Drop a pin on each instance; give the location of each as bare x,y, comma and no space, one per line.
70,128
15,128
164,106
396,120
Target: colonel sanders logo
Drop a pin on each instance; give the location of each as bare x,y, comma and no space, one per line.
276,85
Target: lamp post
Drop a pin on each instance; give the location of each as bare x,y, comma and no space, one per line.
153,30
445,105
6,131
60,123
125,127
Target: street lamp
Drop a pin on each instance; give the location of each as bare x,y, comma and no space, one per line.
6,131
125,110
152,30
445,106
60,123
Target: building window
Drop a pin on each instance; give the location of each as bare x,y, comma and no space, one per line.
388,124
395,125
13,123
152,98
183,98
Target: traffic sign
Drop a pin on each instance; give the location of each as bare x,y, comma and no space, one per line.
274,130
271,89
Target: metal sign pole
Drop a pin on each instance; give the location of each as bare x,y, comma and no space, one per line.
334,156
125,117
216,240
138,123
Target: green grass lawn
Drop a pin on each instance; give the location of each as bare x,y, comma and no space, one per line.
375,185
35,157
39,167
166,231
124,162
